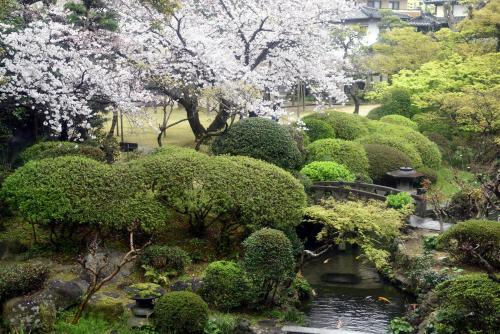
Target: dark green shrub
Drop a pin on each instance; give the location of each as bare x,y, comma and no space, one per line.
268,260
348,153
443,143
397,101
166,259
19,279
346,126
262,139
400,325
469,304
53,149
399,201
327,171
383,159
301,139
400,120
302,289
429,174
225,285
180,312
376,113
396,142
238,190
473,236
318,129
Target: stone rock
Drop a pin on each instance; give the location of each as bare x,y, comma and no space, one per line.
110,259
193,285
107,307
243,327
24,312
139,322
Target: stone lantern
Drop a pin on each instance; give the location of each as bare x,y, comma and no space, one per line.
406,179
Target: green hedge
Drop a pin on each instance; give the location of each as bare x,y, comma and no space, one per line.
180,312
468,304
53,149
166,258
19,279
395,142
400,120
240,190
348,153
225,285
376,113
318,129
383,159
397,101
346,126
464,236
327,171
262,139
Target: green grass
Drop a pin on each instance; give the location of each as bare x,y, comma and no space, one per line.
446,180
145,134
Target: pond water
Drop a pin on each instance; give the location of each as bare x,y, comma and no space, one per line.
347,295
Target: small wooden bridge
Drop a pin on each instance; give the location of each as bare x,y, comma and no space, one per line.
366,191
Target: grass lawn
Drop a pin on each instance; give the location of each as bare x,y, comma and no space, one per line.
446,180
181,135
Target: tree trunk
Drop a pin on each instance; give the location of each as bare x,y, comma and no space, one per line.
114,123
191,106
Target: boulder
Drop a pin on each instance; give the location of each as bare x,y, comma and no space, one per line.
108,259
28,313
193,285
106,306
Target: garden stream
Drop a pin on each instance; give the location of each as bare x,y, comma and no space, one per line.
348,292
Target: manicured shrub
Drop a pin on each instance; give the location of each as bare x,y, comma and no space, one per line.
180,312
19,279
348,153
468,304
262,139
397,143
301,139
225,285
443,143
399,200
473,236
376,113
383,159
53,149
397,101
166,259
429,174
400,120
346,126
327,171
318,129
268,260
237,190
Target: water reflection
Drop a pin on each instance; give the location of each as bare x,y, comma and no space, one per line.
348,292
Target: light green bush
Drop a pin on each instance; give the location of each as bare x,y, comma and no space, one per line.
399,201
262,139
318,129
400,120
53,149
180,312
225,285
346,126
348,153
327,171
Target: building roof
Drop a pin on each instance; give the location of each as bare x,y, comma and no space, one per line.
428,20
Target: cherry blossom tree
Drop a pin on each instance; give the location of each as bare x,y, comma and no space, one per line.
242,53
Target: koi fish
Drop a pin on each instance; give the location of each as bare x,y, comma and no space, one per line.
384,300
326,261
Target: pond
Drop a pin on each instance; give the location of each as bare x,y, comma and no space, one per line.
348,292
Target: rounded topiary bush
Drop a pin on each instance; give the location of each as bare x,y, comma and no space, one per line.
400,120
165,258
397,143
482,236
225,285
346,126
397,101
53,149
180,312
262,139
318,129
268,260
383,159
327,171
348,153
429,151
376,113
468,304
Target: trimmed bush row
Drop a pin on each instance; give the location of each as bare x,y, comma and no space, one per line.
327,171
53,149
